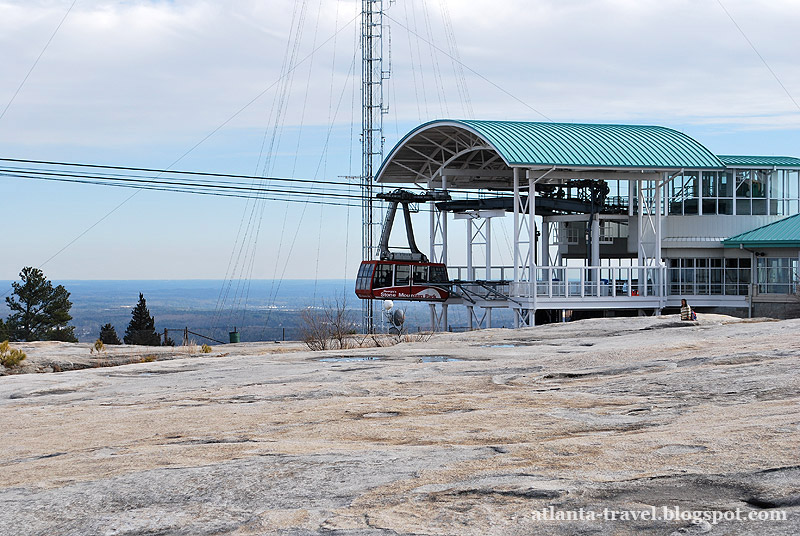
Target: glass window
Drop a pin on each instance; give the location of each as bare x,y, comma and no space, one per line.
402,274
743,207
776,181
709,184
439,274
777,275
758,184
364,276
383,276
759,206
724,184
792,185
420,274
743,184
725,206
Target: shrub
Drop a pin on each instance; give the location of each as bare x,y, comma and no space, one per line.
206,349
98,347
10,357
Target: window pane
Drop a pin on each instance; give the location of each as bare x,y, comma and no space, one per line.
743,207
420,274
383,276
792,184
742,184
709,184
724,185
402,274
709,206
725,206
758,184
439,274
776,180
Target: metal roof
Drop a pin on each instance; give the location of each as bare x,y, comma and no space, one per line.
567,146
782,233
593,145
760,161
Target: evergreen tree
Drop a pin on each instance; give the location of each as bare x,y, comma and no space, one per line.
5,331
108,334
39,311
142,328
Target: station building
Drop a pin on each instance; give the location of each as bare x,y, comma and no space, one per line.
611,218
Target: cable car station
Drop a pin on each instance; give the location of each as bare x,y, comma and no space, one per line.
605,217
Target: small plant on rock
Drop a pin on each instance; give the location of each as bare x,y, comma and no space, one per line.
98,347
206,349
10,357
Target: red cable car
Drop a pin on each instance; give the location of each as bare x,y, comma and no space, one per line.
396,280
403,276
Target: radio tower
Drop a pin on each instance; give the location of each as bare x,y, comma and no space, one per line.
373,108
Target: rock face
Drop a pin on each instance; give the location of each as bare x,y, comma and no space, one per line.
478,433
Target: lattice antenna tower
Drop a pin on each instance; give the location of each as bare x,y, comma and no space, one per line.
375,70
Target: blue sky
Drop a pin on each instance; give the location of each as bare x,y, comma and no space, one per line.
138,83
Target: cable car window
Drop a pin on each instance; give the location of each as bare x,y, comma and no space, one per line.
364,276
420,274
402,274
439,274
383,276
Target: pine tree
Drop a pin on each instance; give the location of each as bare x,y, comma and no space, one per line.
108,334
39,311
5,331
142,328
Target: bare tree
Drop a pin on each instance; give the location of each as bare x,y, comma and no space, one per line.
330,327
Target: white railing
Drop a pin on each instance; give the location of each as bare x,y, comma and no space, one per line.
578,281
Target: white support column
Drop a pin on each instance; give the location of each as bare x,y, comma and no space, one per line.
545,243
631,189
488,238
517,211
595,256
438,253
517,207
532,245
699,193
658,283
470,241
640,233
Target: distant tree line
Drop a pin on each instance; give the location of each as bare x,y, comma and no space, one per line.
40,312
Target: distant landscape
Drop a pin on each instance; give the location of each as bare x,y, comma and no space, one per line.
273,308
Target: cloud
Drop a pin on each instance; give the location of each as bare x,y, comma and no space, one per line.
139,82
121,71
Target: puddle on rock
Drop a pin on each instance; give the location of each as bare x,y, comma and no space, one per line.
500,345
348,359
436,359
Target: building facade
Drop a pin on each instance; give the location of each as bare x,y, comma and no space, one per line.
605,218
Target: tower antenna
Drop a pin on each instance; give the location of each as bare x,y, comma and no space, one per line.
375,69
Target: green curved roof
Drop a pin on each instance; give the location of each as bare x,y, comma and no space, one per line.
781,233
575,145
594,145
760,161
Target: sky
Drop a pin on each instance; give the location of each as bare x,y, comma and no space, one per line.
197,85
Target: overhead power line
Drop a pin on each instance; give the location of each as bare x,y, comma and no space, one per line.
14,96
467,67
774,75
